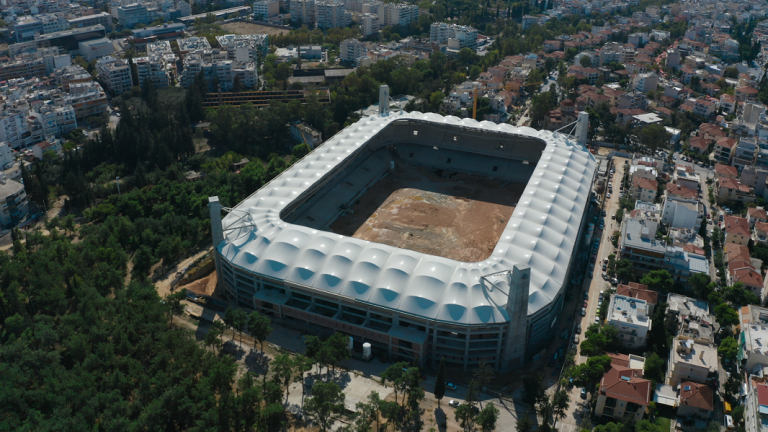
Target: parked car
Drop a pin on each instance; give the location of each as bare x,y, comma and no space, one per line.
583,393
454,403
450,386
578,329
583,312
604,214
613,217
605,276
575,338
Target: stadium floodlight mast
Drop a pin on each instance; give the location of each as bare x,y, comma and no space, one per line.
580,127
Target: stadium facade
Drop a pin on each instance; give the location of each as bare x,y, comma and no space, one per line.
274,252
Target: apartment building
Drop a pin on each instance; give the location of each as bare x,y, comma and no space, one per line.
115,74
216,67
631,317
101,18
264,9
352,49
244,48
13,126
729,191
644,189
623,392
686,176
466,36
756,404
13,202
193,44
681,207
753,353
690,360
22,68
736,230
87,99
132,14
152,68
639,291
303,11
646,82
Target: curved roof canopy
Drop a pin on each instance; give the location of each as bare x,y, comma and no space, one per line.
542,233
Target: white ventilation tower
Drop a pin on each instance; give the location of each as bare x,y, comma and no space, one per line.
384,100
582,126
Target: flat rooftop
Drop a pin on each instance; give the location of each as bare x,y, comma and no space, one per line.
629,310
701,355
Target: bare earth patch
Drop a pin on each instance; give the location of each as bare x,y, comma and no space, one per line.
459,218
249,28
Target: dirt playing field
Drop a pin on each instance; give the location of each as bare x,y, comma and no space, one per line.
459,218
248,28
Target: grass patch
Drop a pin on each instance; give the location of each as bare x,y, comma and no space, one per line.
664,423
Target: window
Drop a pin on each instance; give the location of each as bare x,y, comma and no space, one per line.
448,161
495,169
411,155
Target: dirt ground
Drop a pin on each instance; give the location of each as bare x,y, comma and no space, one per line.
205,286
248,28
459,218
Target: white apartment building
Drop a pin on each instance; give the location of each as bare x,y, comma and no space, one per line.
369,24
6,156
132,14
646,82
13,202
151,67
13,125
754,335
351,50
253,44
192,44
115,74
756,404
303,11
329,14
630,316
215,65
266,9
690,360
52,120
440,33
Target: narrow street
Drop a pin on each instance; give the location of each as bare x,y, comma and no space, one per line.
579,406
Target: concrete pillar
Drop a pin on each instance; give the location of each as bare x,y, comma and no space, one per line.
517,309
214,209
582,126
384,100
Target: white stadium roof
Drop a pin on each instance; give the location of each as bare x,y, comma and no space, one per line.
542,233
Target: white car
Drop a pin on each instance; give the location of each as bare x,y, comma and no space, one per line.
454,403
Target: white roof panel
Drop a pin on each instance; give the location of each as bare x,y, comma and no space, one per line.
541,233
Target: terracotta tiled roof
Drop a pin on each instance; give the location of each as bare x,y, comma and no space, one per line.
736,252
726,170
639,292
736,225
696,395
746,275
619,359
747,89
693,249
682,191
626,384
761,226
644,183
726,142
757,213
700,143
729,183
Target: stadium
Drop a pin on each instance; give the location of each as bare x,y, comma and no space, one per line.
424,236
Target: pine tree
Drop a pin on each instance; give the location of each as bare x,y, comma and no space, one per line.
440,382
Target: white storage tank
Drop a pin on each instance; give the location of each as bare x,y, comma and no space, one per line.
366,350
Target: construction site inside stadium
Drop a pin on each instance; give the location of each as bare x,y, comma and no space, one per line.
450,214
421,236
